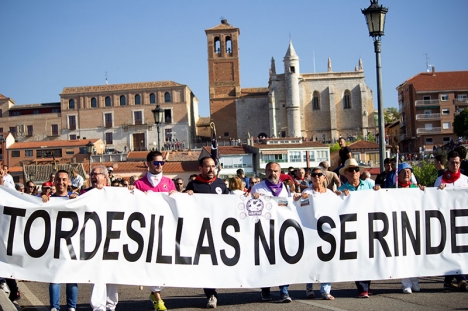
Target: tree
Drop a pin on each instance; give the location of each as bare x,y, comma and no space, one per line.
426,172
391,115
460,124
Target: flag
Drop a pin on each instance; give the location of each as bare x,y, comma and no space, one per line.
214,145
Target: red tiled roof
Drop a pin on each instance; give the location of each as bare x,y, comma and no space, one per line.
203,121
228,150
182,156
363,144
135,167
116,87
305,144
3,96
440,81
222,26
141,155
52,143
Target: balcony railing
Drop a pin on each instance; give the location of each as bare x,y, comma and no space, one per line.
427,102
460,102
428,116
433,130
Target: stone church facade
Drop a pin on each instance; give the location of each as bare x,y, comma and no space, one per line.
319,106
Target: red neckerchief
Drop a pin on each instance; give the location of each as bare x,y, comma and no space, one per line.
449,177
206,181
404,185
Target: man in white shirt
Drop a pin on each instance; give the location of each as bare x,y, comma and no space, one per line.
7,178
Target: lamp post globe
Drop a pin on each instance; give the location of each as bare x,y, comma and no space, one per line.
158,113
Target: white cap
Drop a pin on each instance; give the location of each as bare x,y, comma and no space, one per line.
110,168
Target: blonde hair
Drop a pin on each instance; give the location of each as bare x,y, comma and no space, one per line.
235,183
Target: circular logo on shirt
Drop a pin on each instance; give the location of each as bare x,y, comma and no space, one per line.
219,190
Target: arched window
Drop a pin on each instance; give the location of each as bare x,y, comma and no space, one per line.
347,100
93,102
137,99
217,45
123,101
167,97
228,45
316,101
71,104
152,98
108,101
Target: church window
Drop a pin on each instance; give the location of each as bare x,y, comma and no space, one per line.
123,100
347,100
228,45
71,104
137,100
292,69
217,45
108,101
167,97
316,101
152,98
93,102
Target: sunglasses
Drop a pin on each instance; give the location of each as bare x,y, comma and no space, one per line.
316,174
157,163
353,169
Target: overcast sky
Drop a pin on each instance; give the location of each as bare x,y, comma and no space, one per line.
48,45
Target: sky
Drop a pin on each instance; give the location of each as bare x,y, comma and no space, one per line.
51,44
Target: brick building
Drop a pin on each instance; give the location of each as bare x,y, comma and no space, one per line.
322,106
428,103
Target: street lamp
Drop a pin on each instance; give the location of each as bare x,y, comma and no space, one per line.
375,19
158,118
89,150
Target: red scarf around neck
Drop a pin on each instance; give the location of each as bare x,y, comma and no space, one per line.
449,177
404,185
206,181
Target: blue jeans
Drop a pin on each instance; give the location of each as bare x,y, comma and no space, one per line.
325,288
284,289
54,295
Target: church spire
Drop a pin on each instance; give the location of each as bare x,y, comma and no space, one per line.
272,67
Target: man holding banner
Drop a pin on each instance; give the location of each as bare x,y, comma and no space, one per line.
207,182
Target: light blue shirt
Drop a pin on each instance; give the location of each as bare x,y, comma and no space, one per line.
363,185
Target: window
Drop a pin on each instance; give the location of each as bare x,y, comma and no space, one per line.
292,69
71,104
295,156
446,125
217,45
167,116
137,100
108,120
444,97
460,97
321,156
429,141
13,130
137,117
274,157
93,102
123,100
1,130
72,122
228,45
54,129
55,110
1,113
108,101
28,153
15,154
49,153
36,111
72,136
152,98
69,151
30,130
226,134
109,139
445,140
315,101
445,111
347,100
167,97
15,113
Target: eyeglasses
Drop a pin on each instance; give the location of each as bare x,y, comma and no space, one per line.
316,174
353,169
95,174
180,183
157,163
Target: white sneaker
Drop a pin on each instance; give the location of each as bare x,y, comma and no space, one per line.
5,288
53,309
407,290
416,288
212,302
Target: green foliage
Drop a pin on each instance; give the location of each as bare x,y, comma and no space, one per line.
426,172
334,147
460,124
391,115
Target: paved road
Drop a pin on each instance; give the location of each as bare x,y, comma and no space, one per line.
387,296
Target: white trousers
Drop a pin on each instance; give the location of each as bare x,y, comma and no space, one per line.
156,289
408,283
104,297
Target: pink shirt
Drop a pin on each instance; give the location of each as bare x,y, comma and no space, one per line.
165,185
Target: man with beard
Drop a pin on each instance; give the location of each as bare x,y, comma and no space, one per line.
272,186
207,182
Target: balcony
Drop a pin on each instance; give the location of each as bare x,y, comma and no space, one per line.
461,102
428,116
402,124
434,130
427,102
402,137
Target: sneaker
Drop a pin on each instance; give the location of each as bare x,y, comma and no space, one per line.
310,293
327,296
15,298
407,290
53,309
416,288
157,304
71,309
266,296
363,295
212,302
5,288
450,286
285,298
462,286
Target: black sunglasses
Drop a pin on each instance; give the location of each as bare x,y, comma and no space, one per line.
316,174
353,169
157,163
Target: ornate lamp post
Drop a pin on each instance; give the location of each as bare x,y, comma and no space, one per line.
158,114
375,18
89,150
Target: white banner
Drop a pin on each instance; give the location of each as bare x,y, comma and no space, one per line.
229,241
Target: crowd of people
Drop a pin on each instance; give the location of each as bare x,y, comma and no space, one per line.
298,183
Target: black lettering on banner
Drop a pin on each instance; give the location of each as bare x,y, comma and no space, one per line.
378,235
430,250
259,235
66,235
291,223
111,235
149,253
14,213
406,227
326,237
230,241
347,235
36,253
97,222
180,260
160,258
205,230
396,249
135,236
458,230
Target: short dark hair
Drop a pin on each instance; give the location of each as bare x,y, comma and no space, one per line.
202,161
62,171
461,151
453,154
441,158
153,154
